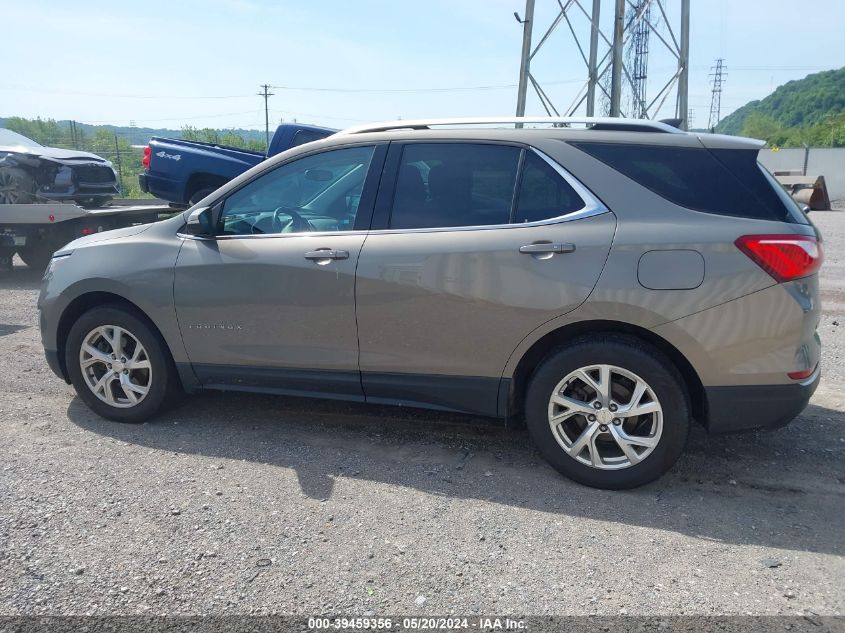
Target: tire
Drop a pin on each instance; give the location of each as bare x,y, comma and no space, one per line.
161,379
37,257
16,186
199,195
635,362
92,203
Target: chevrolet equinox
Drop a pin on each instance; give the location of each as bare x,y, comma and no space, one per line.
606,280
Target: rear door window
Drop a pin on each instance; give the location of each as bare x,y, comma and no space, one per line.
454,184
726,182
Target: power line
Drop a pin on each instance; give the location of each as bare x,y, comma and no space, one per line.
397,90
407,90
320,116
175,118
123,96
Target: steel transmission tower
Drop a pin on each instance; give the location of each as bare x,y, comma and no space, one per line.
718,79
635,30
637,58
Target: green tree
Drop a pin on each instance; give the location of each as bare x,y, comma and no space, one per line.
221,137
764,127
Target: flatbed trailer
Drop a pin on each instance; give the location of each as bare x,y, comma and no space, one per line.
36,231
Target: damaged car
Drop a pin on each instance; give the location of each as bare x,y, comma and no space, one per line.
31,172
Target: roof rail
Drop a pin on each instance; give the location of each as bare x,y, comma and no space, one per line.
596,123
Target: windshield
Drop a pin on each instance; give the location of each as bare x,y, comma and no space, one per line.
7,137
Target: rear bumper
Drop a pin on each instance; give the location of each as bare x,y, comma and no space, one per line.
164,188
745,408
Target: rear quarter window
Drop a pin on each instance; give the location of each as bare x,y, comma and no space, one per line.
721,181
543,193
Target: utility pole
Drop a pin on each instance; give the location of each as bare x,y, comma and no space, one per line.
119,165
73,138
683,65
266,94
616,59
718,76
592,64
525,60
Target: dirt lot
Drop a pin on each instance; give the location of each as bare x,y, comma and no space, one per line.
250,504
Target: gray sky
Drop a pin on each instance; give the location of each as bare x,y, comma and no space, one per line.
200,62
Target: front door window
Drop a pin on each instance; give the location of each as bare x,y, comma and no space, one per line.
320,192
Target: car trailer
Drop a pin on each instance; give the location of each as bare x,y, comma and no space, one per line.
35,231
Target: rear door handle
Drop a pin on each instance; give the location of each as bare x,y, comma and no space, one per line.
326,253
547,247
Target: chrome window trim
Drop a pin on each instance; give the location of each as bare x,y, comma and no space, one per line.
264,236
592,207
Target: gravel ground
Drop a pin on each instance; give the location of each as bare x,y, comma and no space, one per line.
249,504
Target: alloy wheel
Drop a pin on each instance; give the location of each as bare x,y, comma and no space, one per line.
115,366
8,188
605,417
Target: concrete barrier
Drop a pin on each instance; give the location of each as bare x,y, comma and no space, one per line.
821,161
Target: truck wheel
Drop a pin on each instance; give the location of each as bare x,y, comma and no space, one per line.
38,251
92,203
16,186
36,258
199,195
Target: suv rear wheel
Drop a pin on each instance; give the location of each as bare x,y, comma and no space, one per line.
119,365
608,412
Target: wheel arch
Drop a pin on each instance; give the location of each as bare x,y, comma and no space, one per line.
89,300
533,356
203,180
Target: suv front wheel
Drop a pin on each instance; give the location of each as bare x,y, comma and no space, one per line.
119,365
608,411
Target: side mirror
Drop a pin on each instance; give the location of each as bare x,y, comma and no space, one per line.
203,221
804,207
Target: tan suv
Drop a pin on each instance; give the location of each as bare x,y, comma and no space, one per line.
606,279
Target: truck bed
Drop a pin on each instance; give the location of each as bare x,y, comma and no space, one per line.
203,144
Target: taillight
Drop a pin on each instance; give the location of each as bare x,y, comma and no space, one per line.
784,257
145,161
803,374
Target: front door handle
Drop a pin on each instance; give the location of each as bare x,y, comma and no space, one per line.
325,254
547,247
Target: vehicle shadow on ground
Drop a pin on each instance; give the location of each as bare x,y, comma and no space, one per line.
21,277
783,489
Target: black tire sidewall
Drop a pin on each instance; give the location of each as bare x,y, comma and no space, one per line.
649,364
151,340
37,257
200,194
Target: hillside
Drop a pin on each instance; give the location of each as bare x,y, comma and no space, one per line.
796,104
141,135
